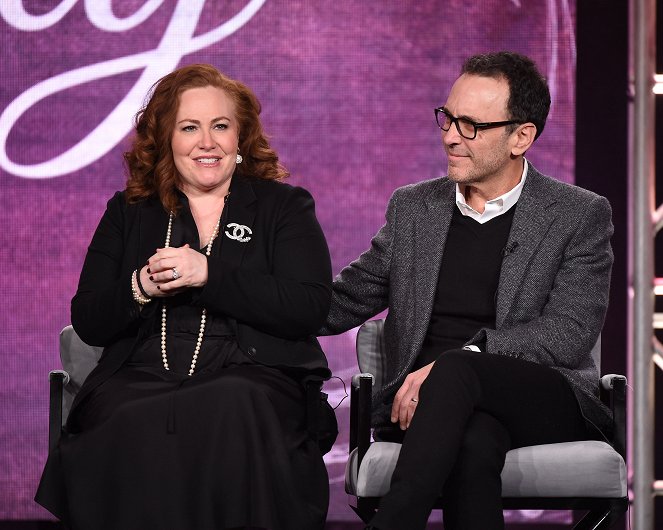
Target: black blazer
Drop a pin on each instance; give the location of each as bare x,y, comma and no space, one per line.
275,288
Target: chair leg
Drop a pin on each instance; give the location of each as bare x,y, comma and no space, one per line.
363,510
592,520
602,519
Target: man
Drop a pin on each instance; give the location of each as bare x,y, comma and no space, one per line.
496,278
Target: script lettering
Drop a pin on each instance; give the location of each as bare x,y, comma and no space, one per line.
101,15
16,15
177,41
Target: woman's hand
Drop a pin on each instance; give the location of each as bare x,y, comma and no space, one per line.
407,397
191,267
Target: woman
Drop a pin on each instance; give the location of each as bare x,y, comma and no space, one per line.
204,281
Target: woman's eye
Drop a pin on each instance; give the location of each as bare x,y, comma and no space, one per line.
189,128
221,126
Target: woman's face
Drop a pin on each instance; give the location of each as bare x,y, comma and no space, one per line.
205,140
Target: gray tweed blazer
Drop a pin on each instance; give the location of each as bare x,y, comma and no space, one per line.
553,288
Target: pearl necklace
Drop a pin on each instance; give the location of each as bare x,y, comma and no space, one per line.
203,317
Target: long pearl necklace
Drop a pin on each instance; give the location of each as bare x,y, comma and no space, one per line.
203,317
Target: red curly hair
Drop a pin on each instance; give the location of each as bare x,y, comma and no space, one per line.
150,161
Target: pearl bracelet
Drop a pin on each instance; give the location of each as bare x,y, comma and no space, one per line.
138,297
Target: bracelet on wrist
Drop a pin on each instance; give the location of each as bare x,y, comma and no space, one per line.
140,285
138,297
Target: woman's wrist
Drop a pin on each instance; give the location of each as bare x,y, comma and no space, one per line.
138,291
140,284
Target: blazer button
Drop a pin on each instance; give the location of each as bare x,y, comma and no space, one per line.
252,350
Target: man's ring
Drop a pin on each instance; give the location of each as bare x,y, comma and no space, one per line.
414,400
175,274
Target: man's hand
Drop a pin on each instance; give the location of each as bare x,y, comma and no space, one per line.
407,397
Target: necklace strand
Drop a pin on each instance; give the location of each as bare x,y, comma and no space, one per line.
203,317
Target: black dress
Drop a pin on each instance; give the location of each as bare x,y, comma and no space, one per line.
225,448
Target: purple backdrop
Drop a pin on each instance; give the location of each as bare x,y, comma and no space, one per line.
348,90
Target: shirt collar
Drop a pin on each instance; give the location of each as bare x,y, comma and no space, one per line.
495,207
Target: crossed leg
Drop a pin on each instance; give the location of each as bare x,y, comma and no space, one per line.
472,409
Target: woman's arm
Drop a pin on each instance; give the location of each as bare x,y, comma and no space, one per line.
103,308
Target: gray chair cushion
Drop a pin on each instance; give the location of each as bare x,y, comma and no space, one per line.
573,469
78,360
588,468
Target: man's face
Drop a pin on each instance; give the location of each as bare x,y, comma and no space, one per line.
485,158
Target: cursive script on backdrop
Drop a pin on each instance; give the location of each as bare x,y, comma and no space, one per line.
177,41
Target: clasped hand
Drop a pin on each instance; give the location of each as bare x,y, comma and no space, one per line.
157,276
407,397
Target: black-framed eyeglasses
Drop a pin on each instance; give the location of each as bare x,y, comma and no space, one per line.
466,128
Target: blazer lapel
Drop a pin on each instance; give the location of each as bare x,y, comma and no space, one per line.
240,217
531,222
432,227
153,223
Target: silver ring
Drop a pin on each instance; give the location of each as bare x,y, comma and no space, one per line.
175,274
414,400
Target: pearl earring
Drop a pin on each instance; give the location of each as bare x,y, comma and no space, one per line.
239,158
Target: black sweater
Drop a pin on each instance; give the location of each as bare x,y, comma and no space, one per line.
467,283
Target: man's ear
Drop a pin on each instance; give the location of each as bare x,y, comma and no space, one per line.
523,138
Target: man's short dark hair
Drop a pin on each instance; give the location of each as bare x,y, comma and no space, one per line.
529,97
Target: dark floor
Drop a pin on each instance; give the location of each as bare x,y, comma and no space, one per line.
47,525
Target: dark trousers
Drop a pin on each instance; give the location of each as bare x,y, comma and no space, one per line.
472,409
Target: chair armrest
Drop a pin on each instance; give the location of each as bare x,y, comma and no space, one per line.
614,385
360,414
371,350
57,379
608,381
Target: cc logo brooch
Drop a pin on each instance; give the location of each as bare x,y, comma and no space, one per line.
239,233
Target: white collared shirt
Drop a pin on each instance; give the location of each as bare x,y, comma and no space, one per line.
494,207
